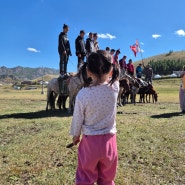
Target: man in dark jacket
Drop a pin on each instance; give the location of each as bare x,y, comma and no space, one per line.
89,45
148,73
80,48
64,49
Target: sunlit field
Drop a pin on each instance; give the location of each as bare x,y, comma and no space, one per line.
151,140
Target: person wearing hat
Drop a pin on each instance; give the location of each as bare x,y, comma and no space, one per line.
64,49
89,45
115,61
139,71
80,48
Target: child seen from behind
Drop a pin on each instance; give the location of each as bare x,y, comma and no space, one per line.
95,118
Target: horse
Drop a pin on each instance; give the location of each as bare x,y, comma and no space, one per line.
154,95
124,87
135,84
75,83
143,91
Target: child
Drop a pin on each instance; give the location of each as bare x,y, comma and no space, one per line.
95,116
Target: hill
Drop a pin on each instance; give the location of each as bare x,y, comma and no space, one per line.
24,73
178,55
165,64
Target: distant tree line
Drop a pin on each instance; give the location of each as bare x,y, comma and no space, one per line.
166,67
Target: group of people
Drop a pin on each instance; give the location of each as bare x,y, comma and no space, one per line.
83,49
128,68
94,114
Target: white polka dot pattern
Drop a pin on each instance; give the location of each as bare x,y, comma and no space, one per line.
95,110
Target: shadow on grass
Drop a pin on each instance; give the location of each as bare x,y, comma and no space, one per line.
36,115
168,115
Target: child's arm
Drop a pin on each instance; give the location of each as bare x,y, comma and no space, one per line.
76,140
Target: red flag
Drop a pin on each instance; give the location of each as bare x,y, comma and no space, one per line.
135,48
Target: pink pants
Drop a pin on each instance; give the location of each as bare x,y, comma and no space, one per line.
97,160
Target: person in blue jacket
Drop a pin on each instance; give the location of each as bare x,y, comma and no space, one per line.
139,71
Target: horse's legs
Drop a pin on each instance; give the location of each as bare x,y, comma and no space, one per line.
119,97
153,98
146,98
64,102
143,97
70,103
149,98
47,105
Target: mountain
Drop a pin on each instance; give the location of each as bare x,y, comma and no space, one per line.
25,73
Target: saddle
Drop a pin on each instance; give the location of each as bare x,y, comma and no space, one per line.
63,85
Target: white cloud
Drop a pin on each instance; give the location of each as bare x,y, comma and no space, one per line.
180,32
142,51
33,50
156,36
106,36
141,43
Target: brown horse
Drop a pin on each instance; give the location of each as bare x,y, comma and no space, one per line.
123,88
135,84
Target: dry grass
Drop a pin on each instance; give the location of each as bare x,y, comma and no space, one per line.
151,140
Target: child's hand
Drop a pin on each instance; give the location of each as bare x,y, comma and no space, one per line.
76,140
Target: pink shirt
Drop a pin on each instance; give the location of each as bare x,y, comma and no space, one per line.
130,67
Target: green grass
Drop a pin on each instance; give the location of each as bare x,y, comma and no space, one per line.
151,140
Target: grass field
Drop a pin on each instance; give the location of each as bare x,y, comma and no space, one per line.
151,140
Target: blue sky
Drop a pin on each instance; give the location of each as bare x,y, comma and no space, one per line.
30,28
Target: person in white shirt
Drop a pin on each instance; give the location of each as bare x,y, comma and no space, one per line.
95,118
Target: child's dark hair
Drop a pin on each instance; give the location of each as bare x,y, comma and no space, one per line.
100,63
